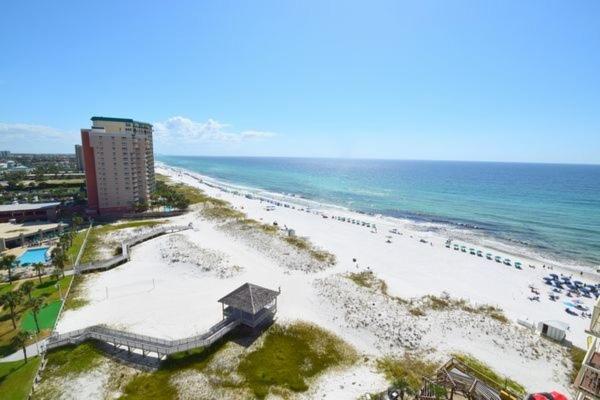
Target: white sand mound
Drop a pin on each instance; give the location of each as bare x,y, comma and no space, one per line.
396,330
274,247
109,242
90,385
179,249
127,233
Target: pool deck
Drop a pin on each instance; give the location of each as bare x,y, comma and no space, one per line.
43,259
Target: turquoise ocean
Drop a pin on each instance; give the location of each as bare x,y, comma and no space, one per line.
549,210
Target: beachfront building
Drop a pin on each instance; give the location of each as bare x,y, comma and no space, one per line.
79,157
588,379
29,212
15,234
118,160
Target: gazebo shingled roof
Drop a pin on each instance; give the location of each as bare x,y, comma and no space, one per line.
249,298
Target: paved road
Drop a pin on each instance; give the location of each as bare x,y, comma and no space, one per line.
32,350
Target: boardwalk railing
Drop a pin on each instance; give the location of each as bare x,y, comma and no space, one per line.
149,344
144,343
125,245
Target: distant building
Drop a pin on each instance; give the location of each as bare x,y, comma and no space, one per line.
118,160
79,157
13,166
4,154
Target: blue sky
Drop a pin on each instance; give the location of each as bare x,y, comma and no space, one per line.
454,80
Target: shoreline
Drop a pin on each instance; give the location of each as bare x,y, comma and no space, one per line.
387,294
466,235
414,267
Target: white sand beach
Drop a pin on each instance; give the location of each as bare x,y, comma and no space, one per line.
171,286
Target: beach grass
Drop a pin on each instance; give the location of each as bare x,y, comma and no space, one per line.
285,361
367,279
192,194
304,244
487,374
158,385
442,303
418,307
577,356
75,299
290,356
72,359
16,378
407,370
222,212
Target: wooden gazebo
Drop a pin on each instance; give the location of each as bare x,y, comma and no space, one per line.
251,304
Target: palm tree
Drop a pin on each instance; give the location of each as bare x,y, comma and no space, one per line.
20,340
39,267
7,262
36,304
26,288
12,301
59,259
63,242
77,222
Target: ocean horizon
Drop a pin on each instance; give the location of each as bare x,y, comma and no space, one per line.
551,211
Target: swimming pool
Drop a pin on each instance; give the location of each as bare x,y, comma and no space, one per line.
32,256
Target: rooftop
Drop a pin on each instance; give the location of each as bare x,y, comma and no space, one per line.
11,231
249,298
113,119
557,324
27,206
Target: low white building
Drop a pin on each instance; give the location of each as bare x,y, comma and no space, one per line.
555,330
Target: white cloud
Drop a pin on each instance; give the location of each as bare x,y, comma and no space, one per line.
10,132
182,128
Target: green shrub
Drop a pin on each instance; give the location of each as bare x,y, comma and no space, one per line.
291,355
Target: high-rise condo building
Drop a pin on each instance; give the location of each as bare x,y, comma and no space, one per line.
79,157
119,164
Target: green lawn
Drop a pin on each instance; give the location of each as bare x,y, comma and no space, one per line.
16,378
46,317
48,287
73,250
5,287
47,290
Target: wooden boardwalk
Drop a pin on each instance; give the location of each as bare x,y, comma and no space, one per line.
251,305
148,344
125,246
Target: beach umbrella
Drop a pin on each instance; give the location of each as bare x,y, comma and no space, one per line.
547,396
